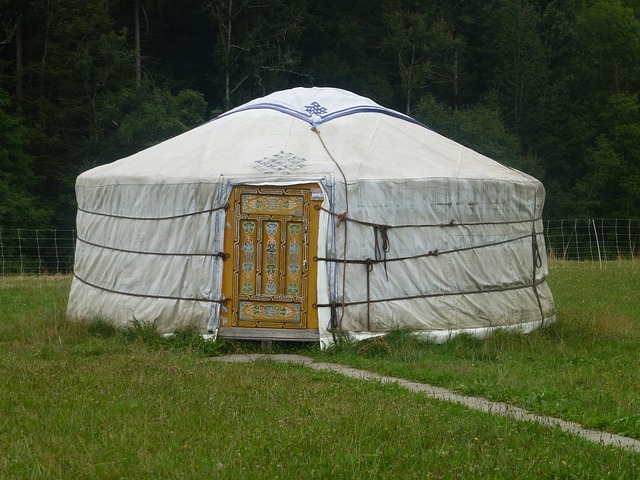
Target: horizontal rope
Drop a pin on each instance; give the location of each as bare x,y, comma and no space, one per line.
111,215
144,295
221,255
431,253
342,217
433,295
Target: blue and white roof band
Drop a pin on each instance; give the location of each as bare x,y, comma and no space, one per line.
315,112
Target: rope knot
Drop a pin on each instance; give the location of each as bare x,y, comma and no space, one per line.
381,245
333,320
537,258
369,263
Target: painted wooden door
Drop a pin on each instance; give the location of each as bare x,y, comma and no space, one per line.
270,278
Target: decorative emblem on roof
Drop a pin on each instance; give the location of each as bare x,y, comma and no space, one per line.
283,163
315,109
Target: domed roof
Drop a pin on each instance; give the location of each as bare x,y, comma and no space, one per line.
305,133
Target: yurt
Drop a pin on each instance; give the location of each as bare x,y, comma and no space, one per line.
311,214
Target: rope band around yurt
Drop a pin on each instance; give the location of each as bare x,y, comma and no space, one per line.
221,255
171,217
434,295
452,223
221,301
430,253
382,247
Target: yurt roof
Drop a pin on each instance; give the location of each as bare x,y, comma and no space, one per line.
304,132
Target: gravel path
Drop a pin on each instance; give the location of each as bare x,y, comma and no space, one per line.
443,394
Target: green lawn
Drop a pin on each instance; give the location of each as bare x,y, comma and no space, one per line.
585,367
81,401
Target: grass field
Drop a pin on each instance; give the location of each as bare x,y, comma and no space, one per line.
585,367
87,401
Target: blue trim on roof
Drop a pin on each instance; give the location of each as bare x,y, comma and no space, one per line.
367,109
308,117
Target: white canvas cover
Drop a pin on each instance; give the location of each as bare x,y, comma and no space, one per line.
416,231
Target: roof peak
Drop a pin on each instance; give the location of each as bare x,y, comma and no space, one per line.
317,105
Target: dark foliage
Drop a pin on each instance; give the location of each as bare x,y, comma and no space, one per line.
548,86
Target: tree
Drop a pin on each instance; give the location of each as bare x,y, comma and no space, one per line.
597,133
425,48
19,207
519,56
543,85
71,58
137,118
610,49
11,32
610,186
257,44
342,48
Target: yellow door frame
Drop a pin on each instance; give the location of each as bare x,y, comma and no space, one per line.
252,207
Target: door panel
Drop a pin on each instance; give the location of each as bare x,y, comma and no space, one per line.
248,242
294,260
270,248
271,234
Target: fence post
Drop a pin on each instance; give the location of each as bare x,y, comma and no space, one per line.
564,250
595,232
631,245
39,256
20,253
617,245
575,230
604,242
2,251
55,247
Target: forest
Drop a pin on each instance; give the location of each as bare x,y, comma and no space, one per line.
546,86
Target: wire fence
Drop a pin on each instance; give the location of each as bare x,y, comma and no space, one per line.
594,239
45,252
28,251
